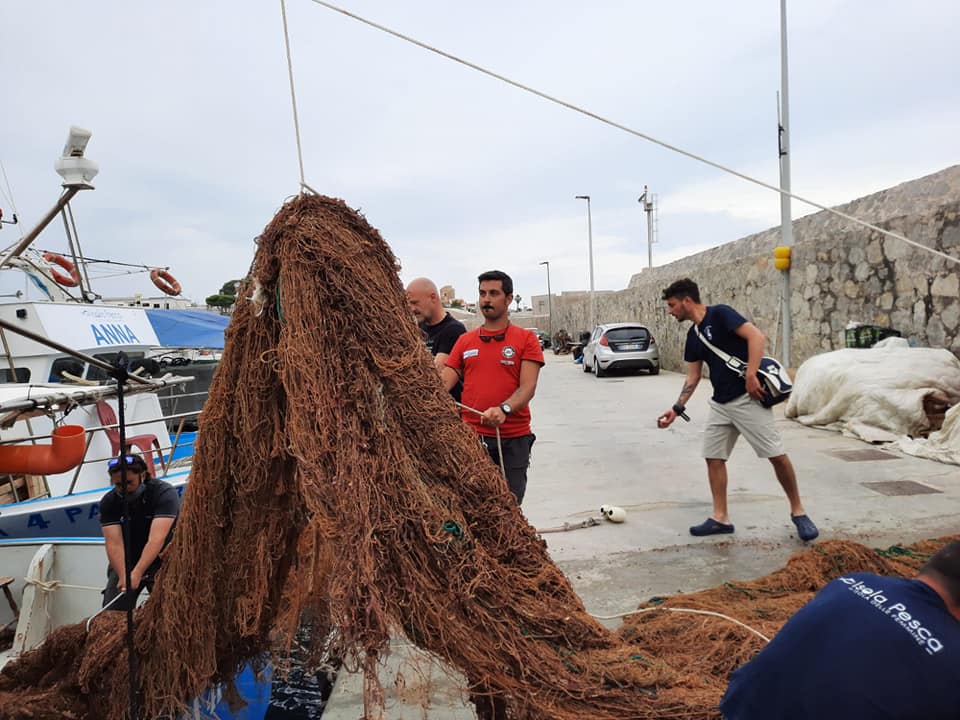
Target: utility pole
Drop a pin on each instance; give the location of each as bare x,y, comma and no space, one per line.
647,201
549,299
786,218
593,304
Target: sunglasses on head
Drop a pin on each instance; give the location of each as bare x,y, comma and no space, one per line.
498,337
129,460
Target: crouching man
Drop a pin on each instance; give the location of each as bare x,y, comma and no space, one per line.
150,509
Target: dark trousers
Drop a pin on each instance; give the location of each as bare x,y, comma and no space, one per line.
130,598
516,460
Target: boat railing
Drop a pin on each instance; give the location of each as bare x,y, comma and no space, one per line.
168,450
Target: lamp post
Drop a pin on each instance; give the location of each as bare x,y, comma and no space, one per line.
549,299
593,306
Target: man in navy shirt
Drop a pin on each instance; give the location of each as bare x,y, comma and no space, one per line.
736,406
865,647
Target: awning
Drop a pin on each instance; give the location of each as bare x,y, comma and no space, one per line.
189,328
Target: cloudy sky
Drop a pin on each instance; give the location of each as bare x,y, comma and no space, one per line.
190,111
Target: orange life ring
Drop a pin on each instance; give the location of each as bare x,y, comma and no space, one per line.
165,282
71,280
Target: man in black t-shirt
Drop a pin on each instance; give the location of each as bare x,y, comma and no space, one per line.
151,511
736,406
440,330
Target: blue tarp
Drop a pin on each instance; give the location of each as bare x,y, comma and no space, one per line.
189,328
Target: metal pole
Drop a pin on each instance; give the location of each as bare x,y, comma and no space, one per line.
786,218
549,299
593,304
121,374
24,243
648,209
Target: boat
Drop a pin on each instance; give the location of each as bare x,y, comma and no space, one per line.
59,582
56,360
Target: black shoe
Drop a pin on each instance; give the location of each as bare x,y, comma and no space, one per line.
805,527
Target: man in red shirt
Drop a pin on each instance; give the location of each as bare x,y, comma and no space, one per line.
499,364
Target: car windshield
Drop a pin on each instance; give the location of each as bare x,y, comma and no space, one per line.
628,334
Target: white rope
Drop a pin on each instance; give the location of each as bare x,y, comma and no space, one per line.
684,610
293,94
9,196
637,133
51,585
503,468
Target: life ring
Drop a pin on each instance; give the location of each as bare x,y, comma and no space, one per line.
165,282
71,280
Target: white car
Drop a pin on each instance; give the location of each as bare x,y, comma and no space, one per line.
621,346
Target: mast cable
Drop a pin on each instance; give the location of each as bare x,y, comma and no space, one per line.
293,93
631,131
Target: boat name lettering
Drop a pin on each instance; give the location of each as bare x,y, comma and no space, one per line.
113,334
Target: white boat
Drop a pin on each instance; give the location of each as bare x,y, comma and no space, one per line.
58,582
44,385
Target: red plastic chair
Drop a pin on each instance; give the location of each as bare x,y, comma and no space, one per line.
147,444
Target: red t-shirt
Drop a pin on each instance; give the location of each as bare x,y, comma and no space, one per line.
491,374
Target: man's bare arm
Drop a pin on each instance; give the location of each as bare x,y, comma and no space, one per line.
440,361
449,377
694,373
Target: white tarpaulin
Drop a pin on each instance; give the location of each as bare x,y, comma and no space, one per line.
943,445
878,394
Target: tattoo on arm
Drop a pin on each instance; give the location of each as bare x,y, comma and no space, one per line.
687,391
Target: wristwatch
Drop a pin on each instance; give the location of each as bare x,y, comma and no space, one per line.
506,408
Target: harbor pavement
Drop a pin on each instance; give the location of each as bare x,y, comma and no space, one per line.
598,444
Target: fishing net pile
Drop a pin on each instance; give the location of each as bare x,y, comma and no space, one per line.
335,486
711,648
333,481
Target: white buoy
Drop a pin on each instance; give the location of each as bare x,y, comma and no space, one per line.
613,513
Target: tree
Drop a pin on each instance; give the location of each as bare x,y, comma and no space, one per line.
456,303
229,288
221,300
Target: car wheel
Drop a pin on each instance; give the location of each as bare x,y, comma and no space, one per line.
586,368
599,371
655,371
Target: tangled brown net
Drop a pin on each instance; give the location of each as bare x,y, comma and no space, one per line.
334,484
711,648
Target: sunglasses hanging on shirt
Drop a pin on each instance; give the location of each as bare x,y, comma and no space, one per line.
498,337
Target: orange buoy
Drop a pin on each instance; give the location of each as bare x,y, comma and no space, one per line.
165,282
71,280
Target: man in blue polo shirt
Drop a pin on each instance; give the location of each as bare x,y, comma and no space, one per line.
865,647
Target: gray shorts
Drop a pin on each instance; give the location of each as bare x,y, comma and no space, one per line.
743,416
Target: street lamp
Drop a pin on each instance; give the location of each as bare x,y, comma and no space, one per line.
549,299
593,306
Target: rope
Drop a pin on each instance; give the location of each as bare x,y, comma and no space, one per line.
503,468
685,610
637,133
293,94
9,195
51,585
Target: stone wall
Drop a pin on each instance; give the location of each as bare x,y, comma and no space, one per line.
841,273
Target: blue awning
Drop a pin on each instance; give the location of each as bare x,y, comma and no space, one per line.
189,328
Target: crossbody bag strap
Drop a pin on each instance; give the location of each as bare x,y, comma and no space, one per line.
729,359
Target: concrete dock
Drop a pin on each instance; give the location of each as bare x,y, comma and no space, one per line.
598,443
